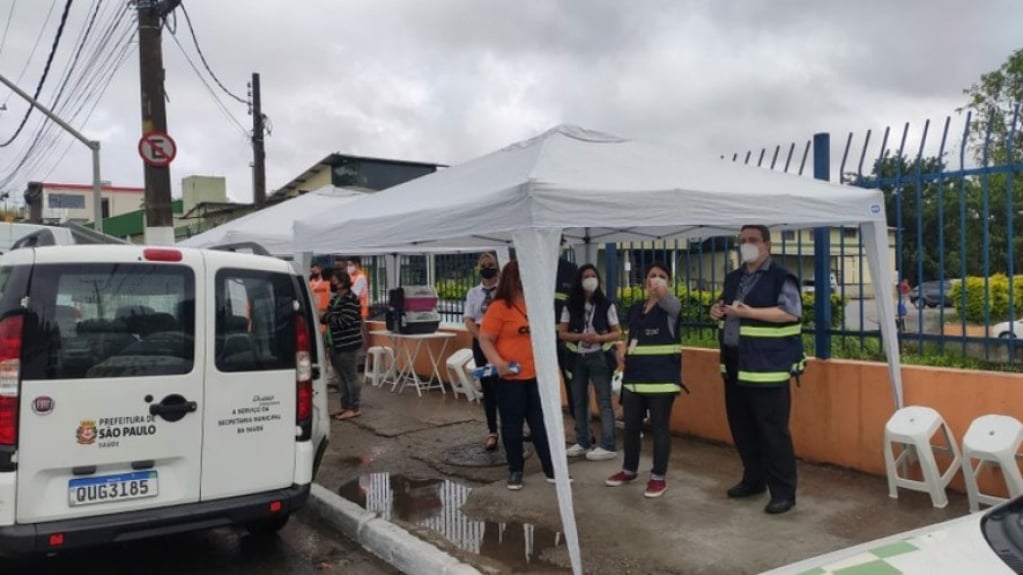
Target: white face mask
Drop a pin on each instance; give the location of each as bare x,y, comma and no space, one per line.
658,282
591,284
749,252
351,270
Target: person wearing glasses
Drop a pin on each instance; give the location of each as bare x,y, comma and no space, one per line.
504,339
589,328
477,301
652,378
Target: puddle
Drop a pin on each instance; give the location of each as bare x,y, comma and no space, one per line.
436,505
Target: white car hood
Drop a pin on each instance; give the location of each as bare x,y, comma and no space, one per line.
953,547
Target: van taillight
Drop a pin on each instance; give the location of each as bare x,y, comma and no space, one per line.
303,377
10,373
162,255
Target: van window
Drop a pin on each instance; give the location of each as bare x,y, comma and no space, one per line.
109,320
255,321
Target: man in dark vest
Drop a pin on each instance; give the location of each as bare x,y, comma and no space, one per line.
761,350
565,276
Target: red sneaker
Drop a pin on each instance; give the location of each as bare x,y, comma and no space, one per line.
620,478
655,488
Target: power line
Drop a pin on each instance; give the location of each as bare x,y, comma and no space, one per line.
32,54
7,28
202,57
46,71
48,136
213,94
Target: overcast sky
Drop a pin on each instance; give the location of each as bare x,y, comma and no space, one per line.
444,80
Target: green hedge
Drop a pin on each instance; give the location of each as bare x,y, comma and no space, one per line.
452,289
994,296
696,304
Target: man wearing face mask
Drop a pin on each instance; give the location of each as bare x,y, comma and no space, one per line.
344,338
761,350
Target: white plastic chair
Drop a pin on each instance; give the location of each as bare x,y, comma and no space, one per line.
992,440
460,375
379,366
913,427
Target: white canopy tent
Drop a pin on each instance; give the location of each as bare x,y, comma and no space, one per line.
271,227
591,187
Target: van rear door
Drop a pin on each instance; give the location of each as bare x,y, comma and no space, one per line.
251,430
110,394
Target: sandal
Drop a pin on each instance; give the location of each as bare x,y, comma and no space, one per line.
491,443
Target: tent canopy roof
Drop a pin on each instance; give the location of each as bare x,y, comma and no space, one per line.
595,187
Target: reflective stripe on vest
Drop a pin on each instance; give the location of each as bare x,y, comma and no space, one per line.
672,349
559,296
653,387
574,346
770,331
764,376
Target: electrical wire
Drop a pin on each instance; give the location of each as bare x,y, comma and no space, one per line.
213,94
46,71
31,55
7,28
202,57
88,88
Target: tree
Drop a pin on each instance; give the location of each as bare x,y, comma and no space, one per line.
994,101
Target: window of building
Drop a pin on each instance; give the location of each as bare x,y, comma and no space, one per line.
849,233
375,174
106,208
66,201
788,235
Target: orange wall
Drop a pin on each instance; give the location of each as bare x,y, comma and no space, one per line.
840,409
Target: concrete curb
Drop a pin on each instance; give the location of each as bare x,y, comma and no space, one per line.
396,546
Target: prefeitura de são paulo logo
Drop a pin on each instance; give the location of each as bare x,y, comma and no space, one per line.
86,432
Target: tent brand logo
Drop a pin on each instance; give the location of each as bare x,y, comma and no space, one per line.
875,209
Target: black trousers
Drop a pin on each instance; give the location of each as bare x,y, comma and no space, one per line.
636,406
519,402
487,383
759,420
566,376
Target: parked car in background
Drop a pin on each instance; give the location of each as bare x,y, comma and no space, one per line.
809,285
932,294
1007,329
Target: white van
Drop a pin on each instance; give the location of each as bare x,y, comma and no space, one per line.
150,390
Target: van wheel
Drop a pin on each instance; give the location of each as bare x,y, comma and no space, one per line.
267,527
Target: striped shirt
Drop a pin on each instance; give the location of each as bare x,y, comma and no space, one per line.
344,319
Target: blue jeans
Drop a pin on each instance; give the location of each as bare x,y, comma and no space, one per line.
592,367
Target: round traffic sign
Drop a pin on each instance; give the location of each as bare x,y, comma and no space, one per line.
157,149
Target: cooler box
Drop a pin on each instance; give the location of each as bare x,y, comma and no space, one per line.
417,322
420,298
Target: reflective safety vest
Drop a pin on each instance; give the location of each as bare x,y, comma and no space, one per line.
565,276
653,364
600,326
770,354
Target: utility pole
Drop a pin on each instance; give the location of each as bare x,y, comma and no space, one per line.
159,218
258,151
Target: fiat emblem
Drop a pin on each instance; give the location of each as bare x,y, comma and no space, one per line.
42,405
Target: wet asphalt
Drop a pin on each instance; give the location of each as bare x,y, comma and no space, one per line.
303,547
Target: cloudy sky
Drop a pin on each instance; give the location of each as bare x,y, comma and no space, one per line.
444,80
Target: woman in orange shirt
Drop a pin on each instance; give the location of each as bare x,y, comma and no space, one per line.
504,339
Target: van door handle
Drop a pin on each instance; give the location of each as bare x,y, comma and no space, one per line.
173,407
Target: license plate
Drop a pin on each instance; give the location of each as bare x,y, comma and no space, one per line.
109,488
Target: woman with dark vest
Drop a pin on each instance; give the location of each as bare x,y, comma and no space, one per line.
589,328
759,315
652,378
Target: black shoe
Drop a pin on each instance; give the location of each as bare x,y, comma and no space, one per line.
777,506
515,480
741,489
